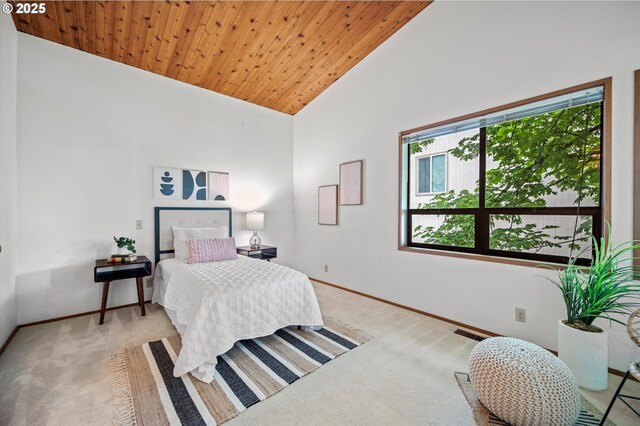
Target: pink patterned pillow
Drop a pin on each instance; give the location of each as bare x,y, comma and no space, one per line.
215,250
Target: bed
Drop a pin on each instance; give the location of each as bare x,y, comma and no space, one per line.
215,304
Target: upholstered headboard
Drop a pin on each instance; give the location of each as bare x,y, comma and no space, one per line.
185,217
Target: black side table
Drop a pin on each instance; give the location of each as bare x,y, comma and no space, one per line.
106,272
263,253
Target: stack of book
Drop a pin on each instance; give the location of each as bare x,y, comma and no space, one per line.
122,258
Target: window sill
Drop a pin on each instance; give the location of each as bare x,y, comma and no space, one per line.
429,194
482,257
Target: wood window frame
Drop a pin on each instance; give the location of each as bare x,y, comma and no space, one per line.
636,167
404,221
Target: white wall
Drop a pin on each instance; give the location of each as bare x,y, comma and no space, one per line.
8,174
90,131
452,59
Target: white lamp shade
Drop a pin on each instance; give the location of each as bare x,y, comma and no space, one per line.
255,220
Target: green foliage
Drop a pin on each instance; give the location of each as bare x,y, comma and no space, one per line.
523,237
416,148
605,288
544,155
453,199
527,160
457,230
126,242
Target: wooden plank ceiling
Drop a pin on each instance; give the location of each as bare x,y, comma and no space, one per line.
280,55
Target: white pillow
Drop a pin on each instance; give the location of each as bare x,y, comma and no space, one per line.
182,235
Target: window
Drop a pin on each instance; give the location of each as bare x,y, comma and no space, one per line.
523,182
432,173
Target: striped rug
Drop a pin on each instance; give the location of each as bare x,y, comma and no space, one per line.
147,393
589,415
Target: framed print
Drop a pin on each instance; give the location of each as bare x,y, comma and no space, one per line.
351,183
328,205
219,186
167,183
194,185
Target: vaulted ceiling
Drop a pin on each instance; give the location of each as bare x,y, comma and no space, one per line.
280,55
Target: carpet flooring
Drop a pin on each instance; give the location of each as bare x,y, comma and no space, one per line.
57,373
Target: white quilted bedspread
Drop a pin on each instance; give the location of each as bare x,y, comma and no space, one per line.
216,304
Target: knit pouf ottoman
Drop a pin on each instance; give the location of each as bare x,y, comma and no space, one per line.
523,384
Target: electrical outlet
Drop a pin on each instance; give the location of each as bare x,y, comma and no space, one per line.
139,224
149,283
326,268
521,315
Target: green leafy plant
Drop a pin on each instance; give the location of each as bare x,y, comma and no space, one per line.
126,242
605,288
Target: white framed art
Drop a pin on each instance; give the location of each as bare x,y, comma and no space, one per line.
194,184
328,205
167,183
219,186
351,183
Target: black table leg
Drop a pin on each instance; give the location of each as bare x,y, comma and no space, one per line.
140,294
613,400
105,294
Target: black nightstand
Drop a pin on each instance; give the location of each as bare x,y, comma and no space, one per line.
105,272
263,253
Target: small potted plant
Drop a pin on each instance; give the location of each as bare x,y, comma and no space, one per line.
125,245
601,290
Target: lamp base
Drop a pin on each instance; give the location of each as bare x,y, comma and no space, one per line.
255,241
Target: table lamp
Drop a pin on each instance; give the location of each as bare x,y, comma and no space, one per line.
255,221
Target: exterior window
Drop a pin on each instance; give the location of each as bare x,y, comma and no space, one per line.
432,174
523,182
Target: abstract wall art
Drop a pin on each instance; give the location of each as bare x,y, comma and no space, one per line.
167,183
219,186
194,185
328,205
351,183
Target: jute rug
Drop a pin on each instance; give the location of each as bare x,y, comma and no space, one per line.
146,392
589,415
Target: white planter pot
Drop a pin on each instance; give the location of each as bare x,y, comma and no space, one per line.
586,354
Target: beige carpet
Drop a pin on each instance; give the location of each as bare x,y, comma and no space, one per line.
253,370
589,415
57,373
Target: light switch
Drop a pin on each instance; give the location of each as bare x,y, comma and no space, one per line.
139,224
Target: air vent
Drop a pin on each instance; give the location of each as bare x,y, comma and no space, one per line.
469,335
